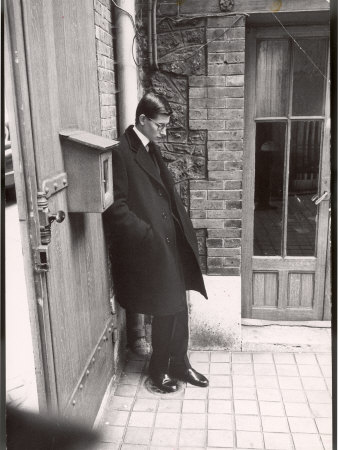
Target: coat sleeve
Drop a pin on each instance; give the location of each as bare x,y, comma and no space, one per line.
124,224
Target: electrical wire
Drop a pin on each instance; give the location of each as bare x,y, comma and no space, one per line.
301,48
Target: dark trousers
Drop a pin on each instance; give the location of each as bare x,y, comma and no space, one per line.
170,336
135,327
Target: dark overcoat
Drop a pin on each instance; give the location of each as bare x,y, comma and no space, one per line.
141,223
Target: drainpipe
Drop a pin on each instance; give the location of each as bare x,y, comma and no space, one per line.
126,67
154,35
150,33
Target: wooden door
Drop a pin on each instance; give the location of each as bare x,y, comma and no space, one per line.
287,174
51,84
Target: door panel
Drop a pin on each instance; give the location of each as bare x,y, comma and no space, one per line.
287,138
76,325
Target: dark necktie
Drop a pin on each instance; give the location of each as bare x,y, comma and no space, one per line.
151,151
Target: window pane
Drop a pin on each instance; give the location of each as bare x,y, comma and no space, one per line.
303,184
269,175
272,79
308,80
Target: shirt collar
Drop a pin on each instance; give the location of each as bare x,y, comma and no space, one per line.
145,141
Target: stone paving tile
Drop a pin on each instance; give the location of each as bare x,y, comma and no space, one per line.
265,382
220,393
137,436
284,358
319,397
324,425
327,442
243,381
241,358
126,390
141,419
134,366
275,424
220,356
278,441
269,395
220,422
314,384
302,425
121,403
287,370
306,370
293,396
130,378
133,447
326,371
196,357
145,404
321,409
168,420
219,406
290,383
249,439
111,434
248,423
245,407
220,438
220,381
243,393
194,406
107,446
220,368
306,358
324,358
168,405
194,421
195,394
307,441
265,369
115,418
193,438
297,410
262,358
164,437
271,409
242,369
202,368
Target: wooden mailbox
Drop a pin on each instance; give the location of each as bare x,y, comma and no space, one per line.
88,163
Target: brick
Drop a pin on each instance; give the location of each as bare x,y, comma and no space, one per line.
224,195
234,57
225,113
106,13
216,81
234,103
207,223
231,262
207,102
236,33
237,124
231,243
197,114
215,165
218,214
106,87
225,69
221,252
197,214
223,234
232,185
197,81
228,214
225,175
105,25
225,156
214,243
107,123
218,58
221,46
207,124
228,271
215,262
233,223
233,165
205,184
234,92
98,6
235,80
232,233
198,194
97,18
108,111
107,99
225,135
216,92
222,22
197,92
225,145
233,204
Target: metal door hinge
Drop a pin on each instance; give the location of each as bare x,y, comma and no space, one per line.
54,184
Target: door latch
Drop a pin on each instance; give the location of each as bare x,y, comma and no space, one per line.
41,259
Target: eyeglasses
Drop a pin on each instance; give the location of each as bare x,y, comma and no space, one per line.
160,126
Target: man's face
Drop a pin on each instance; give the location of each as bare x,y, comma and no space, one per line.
155,129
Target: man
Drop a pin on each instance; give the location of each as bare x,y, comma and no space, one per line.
155,254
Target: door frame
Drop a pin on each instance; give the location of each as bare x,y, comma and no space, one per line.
316,264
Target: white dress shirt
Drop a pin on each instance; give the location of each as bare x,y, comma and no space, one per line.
145,141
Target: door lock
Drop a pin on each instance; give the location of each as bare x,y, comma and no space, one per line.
324,196
46,218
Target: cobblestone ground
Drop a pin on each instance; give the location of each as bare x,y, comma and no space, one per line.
277,401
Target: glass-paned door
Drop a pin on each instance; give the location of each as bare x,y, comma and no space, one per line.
286,195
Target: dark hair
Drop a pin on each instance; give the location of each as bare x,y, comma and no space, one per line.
152,104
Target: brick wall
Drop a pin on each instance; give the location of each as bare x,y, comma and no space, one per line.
201,72
105,67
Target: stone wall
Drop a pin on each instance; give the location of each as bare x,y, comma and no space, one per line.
105,67
201,72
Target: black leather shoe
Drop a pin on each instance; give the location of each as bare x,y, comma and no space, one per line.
164,382
191,376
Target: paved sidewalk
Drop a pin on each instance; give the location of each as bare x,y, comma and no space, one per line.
276,401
